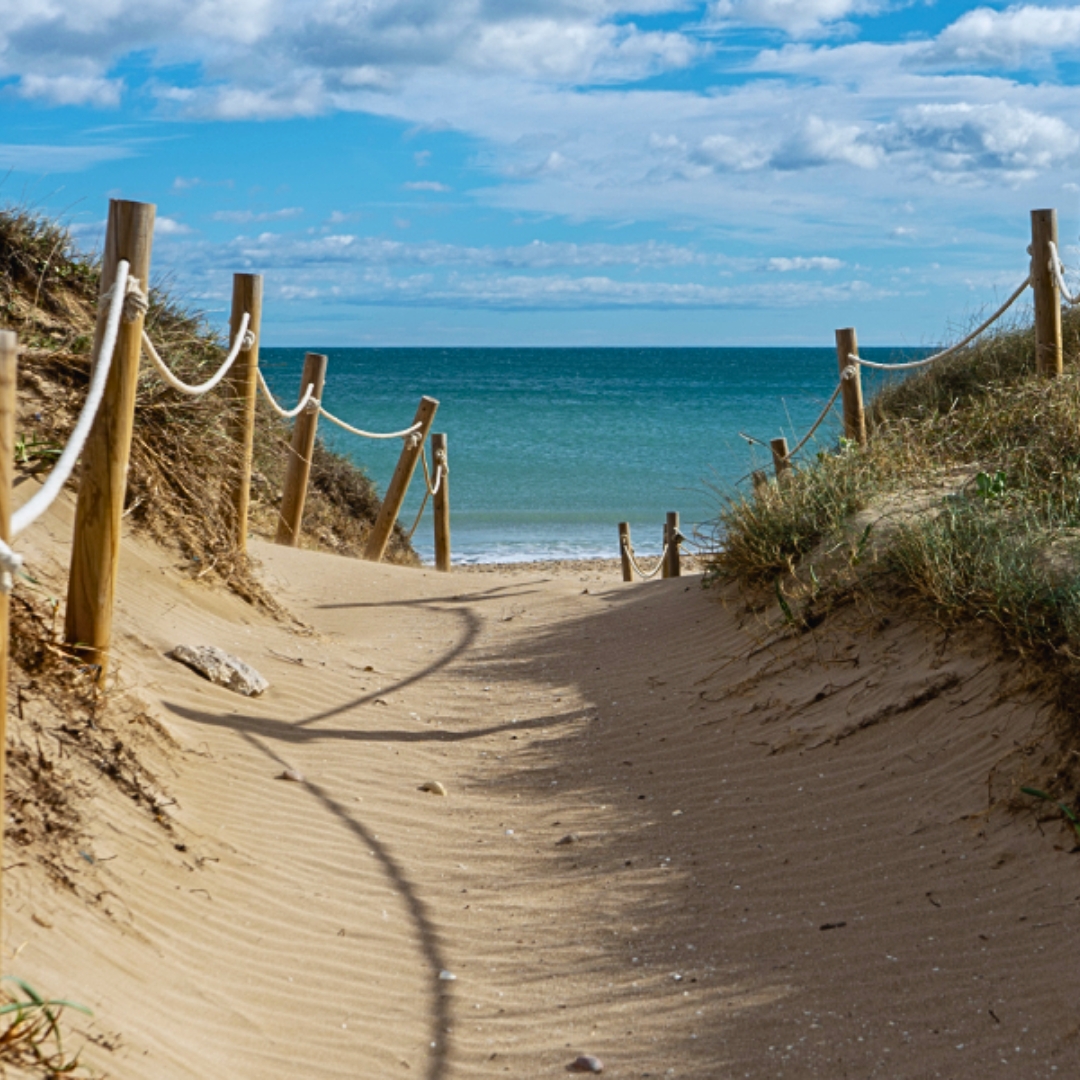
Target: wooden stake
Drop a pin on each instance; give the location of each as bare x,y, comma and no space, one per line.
673,539
781,461
854,418
665,562
8,365
99,511
1048,351
243,386
441,502
379,538
624,551
300,450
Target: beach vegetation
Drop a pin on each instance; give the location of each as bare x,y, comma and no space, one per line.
965,500
182,469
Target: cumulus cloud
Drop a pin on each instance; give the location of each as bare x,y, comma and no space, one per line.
798,18
1010,38
966,138
167,226
824,142
92,90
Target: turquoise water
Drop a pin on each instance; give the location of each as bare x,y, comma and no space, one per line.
550,448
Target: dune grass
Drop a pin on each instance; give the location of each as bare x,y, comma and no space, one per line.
182,465
1001,549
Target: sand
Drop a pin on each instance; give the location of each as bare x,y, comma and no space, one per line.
673,836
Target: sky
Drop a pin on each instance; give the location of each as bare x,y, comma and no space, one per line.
558,172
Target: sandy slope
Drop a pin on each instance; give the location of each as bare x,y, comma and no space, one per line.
783,861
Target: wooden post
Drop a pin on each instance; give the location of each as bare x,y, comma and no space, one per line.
379,537
8,362
291,514
624,551
441,502
99,511
665,562
781,461
674,538
243,386
1048,352
854,418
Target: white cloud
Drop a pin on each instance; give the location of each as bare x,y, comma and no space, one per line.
246,217
798,18
72,90
800,262
167,226
29,158
1018,35
824,142
425,185
968,139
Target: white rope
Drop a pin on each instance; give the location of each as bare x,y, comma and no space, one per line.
645,574
409,431
952,348
1058,271
244,341
288,414
824,412
124,287
440,468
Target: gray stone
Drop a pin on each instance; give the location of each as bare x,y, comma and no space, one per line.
222,668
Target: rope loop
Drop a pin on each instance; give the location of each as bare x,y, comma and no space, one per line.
645,574
1057,271
248,340
203,388
287,414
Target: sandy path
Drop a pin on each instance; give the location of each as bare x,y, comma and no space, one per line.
783,863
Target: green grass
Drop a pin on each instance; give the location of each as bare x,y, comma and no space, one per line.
1003,550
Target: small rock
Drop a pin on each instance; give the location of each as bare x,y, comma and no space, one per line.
433,786
293,775
447,976
221,668
569,838
586,1063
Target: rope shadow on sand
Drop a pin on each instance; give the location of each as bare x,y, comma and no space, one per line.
428,938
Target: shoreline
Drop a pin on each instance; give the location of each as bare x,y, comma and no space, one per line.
595,569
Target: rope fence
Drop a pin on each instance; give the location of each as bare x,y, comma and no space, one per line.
45,496
641,571
1046,279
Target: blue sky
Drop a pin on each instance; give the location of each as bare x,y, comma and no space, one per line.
559,172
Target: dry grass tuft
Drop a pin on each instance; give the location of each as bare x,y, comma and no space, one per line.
1003,550
182,466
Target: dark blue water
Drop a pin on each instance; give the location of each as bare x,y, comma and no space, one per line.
550,448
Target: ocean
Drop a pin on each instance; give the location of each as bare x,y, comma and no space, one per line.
550,448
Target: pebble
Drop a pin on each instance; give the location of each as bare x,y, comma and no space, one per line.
433,786
447,976
586,1063
569,838
292,774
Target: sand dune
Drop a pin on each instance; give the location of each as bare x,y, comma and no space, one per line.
673,837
